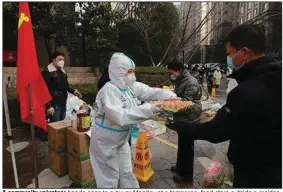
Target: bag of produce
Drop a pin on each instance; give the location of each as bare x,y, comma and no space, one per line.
219,173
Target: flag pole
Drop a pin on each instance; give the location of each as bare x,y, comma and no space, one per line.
9,130
33,138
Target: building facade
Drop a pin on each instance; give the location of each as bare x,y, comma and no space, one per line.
227,15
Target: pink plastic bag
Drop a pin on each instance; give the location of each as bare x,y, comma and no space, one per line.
219,173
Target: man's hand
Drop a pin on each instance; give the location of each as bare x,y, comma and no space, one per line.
51,111
177,125
173,125
78,94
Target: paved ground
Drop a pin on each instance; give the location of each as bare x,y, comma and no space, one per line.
164,156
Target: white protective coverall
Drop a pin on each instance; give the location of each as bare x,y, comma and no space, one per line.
117,109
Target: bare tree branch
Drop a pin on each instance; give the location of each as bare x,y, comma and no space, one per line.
198,29
203,39
145,26
185,41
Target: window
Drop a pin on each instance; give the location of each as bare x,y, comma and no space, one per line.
255,12
242,10
249,5
249,16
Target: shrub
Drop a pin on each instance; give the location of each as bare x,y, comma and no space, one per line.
83,88
11,93
88,91
153,76
150,70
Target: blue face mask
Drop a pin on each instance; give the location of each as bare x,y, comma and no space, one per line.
229,63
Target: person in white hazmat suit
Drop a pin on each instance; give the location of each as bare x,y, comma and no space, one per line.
117,109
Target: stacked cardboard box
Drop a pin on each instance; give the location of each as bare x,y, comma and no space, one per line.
57,141
80,169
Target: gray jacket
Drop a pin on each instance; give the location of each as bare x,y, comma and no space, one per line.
188,88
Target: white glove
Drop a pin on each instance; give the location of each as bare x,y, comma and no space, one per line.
51,111
78,94
155,108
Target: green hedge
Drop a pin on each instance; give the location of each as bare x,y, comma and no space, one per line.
150,70
83,88
87,90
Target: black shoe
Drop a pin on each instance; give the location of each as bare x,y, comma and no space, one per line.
174,169
179,179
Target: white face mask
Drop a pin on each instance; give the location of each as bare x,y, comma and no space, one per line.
173,77
60,64
129,79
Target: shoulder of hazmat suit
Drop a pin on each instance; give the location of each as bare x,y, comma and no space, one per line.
117,109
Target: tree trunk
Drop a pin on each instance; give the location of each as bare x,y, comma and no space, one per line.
48,47
83,49
149,51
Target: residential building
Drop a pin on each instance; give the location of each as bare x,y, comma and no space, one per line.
269,16
190,18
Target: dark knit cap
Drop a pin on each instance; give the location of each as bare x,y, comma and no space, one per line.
175,65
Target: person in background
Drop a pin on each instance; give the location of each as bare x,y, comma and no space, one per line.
252,116
117,110
57,82
209,81
103,79
187,88
217,77
105,75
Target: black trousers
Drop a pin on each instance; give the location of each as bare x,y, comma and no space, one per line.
185,156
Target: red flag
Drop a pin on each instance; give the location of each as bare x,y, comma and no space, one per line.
28,72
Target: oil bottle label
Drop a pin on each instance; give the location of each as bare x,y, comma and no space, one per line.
86,121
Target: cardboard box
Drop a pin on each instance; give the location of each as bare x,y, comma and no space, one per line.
57,137
58,162
78,144
80,172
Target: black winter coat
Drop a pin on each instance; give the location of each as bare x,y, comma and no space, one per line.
103,79
188,88
58,86
252,120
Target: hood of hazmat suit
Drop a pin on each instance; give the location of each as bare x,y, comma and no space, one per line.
117,110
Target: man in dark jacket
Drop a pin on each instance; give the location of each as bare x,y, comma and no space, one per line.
103,79
252,116
105,75
187,88
57,82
